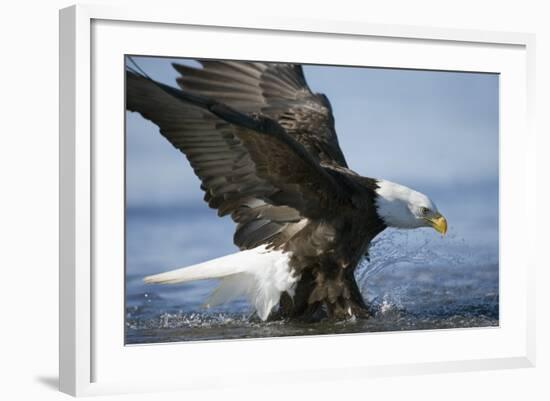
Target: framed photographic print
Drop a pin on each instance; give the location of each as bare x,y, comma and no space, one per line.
437,129
342,195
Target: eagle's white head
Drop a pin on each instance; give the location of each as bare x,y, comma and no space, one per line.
402,207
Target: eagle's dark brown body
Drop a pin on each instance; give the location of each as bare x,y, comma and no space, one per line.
265,149
326,254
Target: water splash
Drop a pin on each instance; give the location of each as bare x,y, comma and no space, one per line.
192,320
400,248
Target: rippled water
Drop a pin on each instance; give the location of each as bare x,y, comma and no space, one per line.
413,281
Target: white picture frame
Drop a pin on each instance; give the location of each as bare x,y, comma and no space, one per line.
93,360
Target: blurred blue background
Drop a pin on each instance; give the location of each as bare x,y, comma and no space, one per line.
434,131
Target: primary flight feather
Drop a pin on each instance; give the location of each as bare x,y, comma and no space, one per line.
267,154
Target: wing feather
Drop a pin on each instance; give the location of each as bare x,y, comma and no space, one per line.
249,167
276,90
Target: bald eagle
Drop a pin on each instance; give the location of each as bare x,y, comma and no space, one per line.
265,149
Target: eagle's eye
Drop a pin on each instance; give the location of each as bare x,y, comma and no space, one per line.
424,211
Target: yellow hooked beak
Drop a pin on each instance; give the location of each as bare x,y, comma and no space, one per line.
439,223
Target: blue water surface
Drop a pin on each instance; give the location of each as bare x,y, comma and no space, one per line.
414,280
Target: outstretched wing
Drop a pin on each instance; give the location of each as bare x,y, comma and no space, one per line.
276,90
249,167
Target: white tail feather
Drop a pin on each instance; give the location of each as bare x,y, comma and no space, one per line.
258,274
